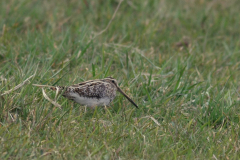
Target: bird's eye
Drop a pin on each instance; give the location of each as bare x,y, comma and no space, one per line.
113,81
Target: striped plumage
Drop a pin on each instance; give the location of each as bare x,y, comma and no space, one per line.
99,92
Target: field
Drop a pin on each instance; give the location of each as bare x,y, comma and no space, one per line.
178,60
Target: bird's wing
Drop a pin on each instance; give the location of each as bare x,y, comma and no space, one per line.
94,89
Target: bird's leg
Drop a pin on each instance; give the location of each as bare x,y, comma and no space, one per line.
106,107
85,109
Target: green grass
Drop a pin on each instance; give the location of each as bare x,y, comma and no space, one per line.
178,60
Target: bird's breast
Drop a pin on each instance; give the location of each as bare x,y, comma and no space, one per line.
90,101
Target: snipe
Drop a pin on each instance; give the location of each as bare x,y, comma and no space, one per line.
99,92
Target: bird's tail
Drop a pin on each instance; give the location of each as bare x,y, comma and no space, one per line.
54,88
60,88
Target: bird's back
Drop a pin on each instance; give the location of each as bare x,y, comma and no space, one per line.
90,93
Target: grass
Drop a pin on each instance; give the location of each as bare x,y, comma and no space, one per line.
179,61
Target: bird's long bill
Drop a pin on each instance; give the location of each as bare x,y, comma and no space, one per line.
127,97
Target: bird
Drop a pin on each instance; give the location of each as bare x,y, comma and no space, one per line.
92,93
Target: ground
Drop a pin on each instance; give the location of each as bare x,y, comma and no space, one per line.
178,60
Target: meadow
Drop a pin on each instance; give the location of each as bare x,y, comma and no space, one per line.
178,60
